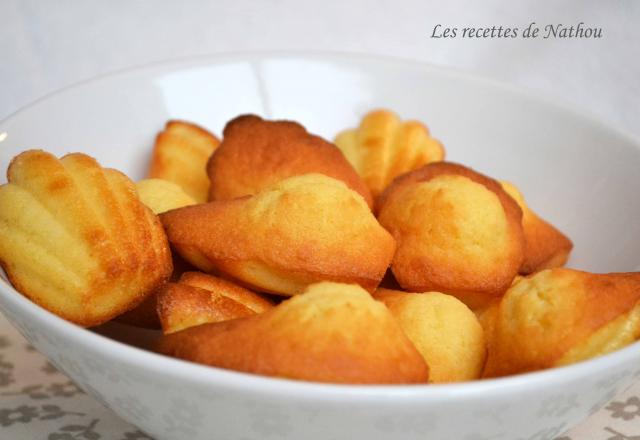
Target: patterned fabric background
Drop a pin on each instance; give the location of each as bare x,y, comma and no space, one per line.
38,402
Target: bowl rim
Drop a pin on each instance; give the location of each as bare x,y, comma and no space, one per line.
288,388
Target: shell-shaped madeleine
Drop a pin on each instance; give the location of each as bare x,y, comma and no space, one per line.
75,239
445,332
200,298
180,155
255,154
331,333
302,230
457,232
560,316
161,195
545,246
383,147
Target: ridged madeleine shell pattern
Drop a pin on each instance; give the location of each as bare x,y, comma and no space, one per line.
383,147
180,155
75,239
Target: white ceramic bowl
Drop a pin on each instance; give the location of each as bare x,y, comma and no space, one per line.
575,171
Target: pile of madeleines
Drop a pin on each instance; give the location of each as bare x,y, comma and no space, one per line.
276,252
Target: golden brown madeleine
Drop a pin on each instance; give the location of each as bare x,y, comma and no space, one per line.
255,154
383,147
302,230
545,246
559,316
75,238
180,155
161,195
331,333
200,298
456,230
443,329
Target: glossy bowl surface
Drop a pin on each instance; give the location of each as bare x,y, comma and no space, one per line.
575,171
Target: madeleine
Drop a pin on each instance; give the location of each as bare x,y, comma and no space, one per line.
446,333
561,316
457,232
75,238
383,147
302,230
331,333
180,155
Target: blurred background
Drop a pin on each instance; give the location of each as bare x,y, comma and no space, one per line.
49,45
